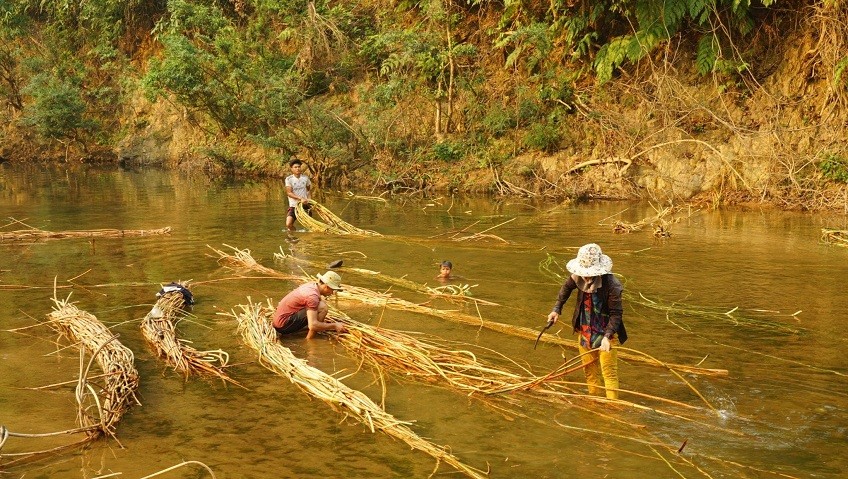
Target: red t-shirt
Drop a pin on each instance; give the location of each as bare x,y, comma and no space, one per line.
304,296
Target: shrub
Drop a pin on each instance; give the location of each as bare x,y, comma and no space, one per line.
497,121
835,168
544,137
448,151
57,110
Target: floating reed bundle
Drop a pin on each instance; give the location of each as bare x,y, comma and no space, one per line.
448,292
835,237
379,199
402,352
37,234
255,328
423,359
244,260
115,359
327,222
100,407
384,299
159,329
461,370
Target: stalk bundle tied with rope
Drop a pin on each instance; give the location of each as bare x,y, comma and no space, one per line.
110,400
115,359
159,329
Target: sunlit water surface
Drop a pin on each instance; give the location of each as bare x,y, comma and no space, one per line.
781,409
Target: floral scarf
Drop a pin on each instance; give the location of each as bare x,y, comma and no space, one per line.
592,323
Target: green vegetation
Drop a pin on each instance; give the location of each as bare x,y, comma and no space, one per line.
835,168
423,83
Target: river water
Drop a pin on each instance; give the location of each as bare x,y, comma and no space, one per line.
751,291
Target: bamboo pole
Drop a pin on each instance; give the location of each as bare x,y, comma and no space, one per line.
36,234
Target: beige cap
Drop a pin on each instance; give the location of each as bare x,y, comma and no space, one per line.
331,279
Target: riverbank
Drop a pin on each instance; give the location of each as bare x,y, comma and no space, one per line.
766,125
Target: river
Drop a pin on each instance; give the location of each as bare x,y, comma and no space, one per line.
750,291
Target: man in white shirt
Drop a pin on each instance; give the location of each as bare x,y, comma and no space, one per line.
297,190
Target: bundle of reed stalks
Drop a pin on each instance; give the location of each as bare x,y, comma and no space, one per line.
36,234
243,259
380,198
159,329
464,371
367,296
114,359
461,370
326,221
257,332
451,293
835,237
110,400
422,357
451,290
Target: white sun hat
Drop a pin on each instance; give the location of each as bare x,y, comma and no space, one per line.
331,279
590,261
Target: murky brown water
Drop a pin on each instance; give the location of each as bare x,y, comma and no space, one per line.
783,406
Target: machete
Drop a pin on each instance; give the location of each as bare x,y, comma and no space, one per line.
550,323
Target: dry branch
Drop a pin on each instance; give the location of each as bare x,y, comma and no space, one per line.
661,221
600,161
835,237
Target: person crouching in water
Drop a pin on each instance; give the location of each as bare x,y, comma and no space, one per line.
597,316
305,307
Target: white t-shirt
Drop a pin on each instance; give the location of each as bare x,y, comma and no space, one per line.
300,187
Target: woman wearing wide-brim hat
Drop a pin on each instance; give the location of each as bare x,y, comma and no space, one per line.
597,316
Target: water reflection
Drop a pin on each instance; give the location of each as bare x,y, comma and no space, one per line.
783,405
